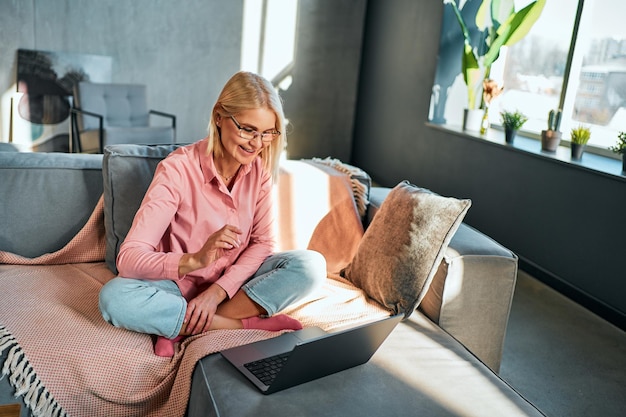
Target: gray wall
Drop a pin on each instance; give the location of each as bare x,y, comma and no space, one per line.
565,222
172,47
184,51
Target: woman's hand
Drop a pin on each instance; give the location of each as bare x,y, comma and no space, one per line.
224,239
200,310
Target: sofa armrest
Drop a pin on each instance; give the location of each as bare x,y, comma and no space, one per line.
471,294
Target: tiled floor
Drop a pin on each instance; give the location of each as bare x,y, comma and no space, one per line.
561,357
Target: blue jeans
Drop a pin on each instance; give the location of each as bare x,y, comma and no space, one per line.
158,307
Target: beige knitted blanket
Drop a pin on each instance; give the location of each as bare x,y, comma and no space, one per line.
65,360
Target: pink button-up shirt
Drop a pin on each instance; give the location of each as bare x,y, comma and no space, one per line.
185,203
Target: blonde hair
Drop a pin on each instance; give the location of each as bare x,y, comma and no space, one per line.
247,91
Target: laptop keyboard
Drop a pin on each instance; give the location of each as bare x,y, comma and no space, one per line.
267,369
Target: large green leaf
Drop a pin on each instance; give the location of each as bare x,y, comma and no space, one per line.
482,15
524,21
501,10
493,13
514,29
472,75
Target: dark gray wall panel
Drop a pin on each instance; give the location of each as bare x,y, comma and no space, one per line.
321,102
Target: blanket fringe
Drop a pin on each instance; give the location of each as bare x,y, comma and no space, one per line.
23,378
359,189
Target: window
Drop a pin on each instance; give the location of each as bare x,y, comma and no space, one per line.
269,35
574,59
599,85
533,70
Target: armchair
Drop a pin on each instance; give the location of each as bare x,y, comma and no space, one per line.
113,114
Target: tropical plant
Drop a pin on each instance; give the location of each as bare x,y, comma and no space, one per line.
499,25
580,135
620,147
513,120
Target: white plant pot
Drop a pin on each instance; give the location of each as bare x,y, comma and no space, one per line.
472,119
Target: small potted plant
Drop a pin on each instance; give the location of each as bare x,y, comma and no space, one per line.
620,148
512,122
579,136
551,137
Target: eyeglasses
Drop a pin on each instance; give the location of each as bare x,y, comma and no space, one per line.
251,134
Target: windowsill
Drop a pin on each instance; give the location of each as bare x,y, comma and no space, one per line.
591,162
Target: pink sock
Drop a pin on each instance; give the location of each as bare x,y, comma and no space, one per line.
165,347
273,324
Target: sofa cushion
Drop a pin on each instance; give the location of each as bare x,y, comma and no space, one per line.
127,171
404,245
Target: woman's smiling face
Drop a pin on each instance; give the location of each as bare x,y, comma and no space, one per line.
241,150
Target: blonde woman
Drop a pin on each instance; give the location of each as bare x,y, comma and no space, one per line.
200,253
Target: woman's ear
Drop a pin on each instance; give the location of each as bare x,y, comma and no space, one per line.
218,120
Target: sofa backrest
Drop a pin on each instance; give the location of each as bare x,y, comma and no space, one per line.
8,147
61,190
45,199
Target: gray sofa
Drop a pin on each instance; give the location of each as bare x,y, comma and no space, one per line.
442,361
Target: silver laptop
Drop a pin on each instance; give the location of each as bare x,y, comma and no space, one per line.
311,353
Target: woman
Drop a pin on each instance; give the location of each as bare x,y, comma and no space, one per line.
199,255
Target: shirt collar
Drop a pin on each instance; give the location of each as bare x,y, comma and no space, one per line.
208,165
